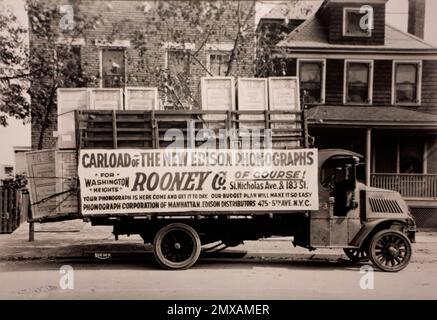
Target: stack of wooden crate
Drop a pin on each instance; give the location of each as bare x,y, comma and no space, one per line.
259,104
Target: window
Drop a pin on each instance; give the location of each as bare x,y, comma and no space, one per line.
218,63
9,171
406,86
178,65
353,19
312,80
113,68
358,82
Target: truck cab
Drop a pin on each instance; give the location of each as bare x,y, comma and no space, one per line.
366,222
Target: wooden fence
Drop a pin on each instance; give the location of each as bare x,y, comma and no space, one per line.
13,209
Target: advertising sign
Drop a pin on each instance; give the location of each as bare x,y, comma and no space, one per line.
202,180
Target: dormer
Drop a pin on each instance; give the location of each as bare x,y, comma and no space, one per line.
354,22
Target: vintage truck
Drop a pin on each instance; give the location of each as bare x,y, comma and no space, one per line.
182,182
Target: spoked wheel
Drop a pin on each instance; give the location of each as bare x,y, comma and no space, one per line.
177,246
357,255
390,250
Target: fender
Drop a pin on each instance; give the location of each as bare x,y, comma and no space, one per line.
368,227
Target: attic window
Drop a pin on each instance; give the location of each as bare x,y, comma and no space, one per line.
357,22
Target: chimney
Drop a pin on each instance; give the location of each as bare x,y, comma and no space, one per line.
416,17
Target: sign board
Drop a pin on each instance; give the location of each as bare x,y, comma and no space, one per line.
218,93
138,98
252,96
106,99
66,173
284,96
68,101
40,173
202,180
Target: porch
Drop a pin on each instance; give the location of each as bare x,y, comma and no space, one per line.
411,186
399,148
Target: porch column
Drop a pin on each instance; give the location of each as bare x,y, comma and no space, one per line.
368,154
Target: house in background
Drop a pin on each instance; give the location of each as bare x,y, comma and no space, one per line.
373,91
285,17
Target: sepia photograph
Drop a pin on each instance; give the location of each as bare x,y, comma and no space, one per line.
218,155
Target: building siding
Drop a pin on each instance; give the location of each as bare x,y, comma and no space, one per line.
334,82
429,87
382,82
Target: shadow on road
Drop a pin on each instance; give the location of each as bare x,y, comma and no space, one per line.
144,260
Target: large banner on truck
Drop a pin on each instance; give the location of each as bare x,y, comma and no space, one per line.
201,180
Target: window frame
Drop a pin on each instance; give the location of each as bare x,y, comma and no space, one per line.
209,53
370,85
360,35
322,76
419,64
124,49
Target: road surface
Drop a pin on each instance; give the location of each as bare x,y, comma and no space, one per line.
223,277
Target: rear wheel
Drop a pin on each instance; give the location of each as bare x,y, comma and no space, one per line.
176,246
390,250
357,255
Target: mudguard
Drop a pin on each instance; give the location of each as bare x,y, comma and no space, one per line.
368,227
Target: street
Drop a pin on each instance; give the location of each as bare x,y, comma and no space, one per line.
232,274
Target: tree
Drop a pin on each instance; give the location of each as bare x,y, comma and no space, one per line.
13,73
34,74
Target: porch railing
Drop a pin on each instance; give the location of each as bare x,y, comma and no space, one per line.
410,186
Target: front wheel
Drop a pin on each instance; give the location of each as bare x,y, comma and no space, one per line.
357,255
390,250
176,246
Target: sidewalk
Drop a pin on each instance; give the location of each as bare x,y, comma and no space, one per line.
77,239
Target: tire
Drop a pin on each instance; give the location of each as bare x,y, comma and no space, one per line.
357,255
390,250
176,246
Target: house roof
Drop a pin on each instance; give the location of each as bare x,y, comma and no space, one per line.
293,10
312,34
374,116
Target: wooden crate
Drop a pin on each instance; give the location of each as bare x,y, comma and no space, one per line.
69,100
66,182
106,99
41,181
218,94
252,95
130,129
140,98
284,97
